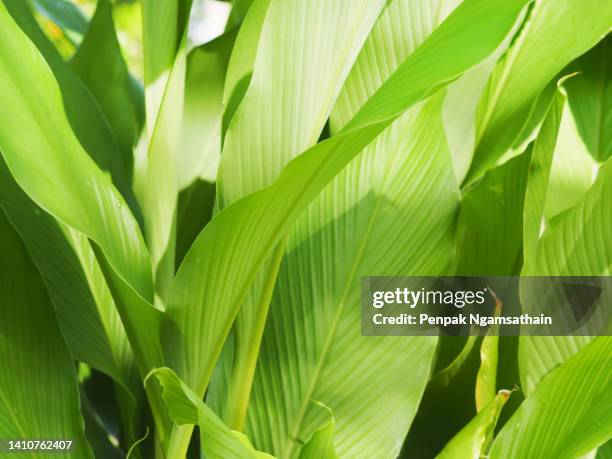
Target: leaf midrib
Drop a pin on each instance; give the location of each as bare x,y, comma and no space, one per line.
332,332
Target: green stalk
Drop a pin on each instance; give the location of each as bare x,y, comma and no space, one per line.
244,368
179,441
247,352
160,417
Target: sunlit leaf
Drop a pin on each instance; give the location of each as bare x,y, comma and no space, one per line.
580,386
553,34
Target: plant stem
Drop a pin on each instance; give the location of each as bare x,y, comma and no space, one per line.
244,370
247,350
160,418
179,441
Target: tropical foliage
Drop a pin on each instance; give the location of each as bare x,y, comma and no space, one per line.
184,226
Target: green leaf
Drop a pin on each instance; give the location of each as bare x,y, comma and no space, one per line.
447,404
573,170
247,335
34,357
553,35
165,54
239,10
216,439
474,438
84,198
164,23
85,310
605,451
567,247
42,153
242,59
401,28
204,306
539,171
590,97
85,116
321,444
580,387
194,210
402,43
203,111
160,178
538,355
296,110
316,309
489,227
282,115
461,104
99,64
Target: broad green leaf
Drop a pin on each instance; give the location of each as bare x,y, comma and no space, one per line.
279,117
474,438
282,114
390,43
573,170
85,311
553,35
401,28
160,183
423,62
489,226
316,305
573,402
203,111
216,439
164,23
460,113
572,243
33,357
36,114
539,172
43,154
219,269
246,341
82,110
590,97
165,50
538,355
242,59
373,215
461,104
538,111
99,64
